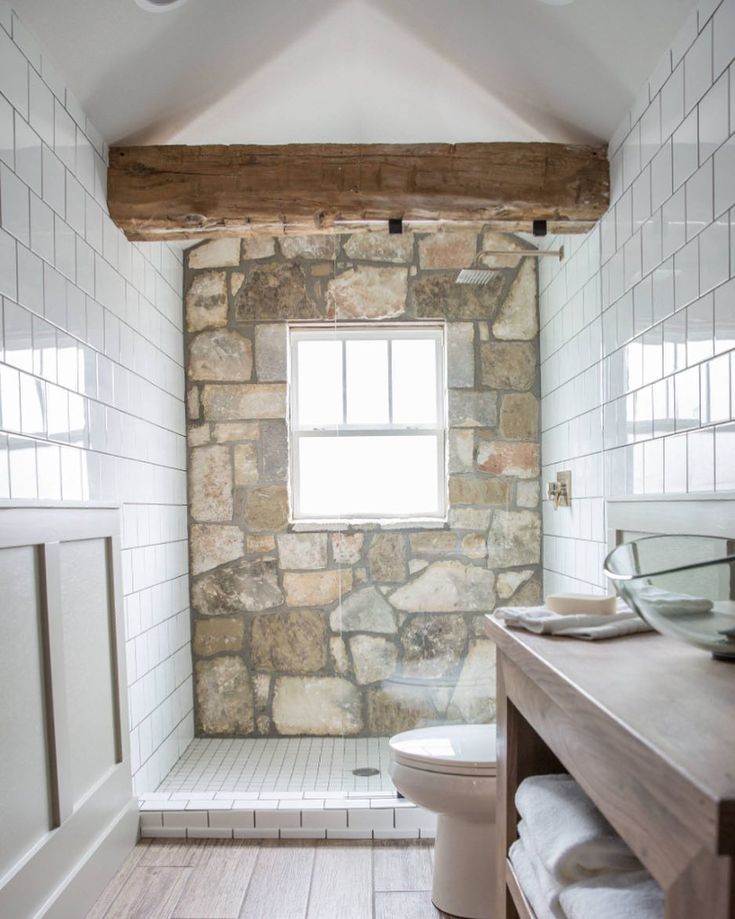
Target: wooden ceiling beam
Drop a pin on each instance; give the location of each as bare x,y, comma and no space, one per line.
187,192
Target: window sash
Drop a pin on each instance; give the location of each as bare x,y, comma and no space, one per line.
438,429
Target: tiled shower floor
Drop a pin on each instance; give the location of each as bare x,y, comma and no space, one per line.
289,765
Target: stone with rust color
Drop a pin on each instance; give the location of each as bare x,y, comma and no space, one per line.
250,586
213,545
519,416
517,318
210,483
366,610
470,409
387,557
503,458
217,253
508,364
213,636
367,292
266,508
447,587
290,642
477,490
473,699
224,696
380,247
346,548
393,708
220,355
271,345
275,290
243,401
433,542
245,462
316,706
299,551
316,588
448,249
374,658
319,246
514,538
206,301
432,645
438,296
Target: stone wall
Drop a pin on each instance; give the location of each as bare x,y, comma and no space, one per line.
359,631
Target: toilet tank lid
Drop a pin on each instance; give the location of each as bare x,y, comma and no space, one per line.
471,746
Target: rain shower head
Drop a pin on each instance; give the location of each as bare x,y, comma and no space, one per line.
478,277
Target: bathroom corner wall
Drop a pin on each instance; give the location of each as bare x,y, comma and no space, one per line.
361,631
638,322
91,377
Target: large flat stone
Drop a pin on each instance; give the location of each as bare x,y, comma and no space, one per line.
257,247
468,409
271,346
210,484
243,401
509,581
320,246
220,355
217,253
380,247
517,318
244,586
503,458
321,706
438,296
206,301
274,451
461,450
432,645
519,416
290,642
275,290
373,658
213,636
470,518
366,610
394,707
447,587
316,588
346,548
367,292
461,354
266,508
473,700
448,249
224,697
508,364
245,463
213,545
514,539
387,557
499,242
480,491
299,551
528,494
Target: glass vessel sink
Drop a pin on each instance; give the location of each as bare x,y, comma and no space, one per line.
683,586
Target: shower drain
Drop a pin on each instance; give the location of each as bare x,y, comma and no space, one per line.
366,771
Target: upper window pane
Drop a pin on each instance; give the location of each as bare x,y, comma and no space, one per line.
319,383
414,381
367,381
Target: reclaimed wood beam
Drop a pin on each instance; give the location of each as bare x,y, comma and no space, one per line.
187,192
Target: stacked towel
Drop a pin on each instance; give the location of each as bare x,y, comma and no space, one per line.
620,896
541,890
543,621
569,835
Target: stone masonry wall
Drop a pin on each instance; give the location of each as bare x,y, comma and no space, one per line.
357,631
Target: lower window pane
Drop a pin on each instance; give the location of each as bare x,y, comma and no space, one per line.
374,476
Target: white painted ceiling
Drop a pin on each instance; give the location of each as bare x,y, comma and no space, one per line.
286,71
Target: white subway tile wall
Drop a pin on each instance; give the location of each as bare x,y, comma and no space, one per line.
638,321
91,377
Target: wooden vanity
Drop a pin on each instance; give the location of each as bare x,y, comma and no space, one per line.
646,725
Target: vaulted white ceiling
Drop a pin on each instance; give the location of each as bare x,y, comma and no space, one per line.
285,71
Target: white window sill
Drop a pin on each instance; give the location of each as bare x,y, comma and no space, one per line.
388,523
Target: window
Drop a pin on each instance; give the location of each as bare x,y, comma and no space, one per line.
368,422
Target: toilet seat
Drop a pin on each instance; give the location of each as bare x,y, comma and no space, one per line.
455,749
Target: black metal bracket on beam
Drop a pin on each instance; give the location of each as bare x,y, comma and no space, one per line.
539,228
395,225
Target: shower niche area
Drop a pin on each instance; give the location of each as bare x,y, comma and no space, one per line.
363,461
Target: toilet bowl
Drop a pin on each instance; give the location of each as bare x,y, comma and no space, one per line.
451,771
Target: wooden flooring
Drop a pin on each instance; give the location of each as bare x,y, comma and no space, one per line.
264,879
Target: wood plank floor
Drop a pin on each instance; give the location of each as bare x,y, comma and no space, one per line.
264,879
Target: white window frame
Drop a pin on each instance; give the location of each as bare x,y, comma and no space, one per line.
344,332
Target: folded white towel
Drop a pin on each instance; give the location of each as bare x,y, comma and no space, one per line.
666,601
569,834
620,896
543,621
541,890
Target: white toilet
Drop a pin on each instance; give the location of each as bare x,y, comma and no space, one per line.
451,770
